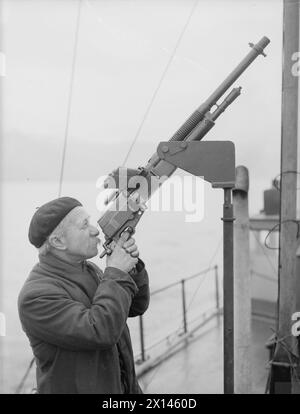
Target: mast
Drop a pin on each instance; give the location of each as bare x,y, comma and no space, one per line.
286,346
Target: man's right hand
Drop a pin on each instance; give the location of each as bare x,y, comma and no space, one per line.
119,258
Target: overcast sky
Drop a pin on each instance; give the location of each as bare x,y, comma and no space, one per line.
123,49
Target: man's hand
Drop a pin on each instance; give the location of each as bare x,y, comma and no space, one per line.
131,247
124,255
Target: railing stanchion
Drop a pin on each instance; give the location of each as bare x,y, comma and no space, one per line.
143,356
183,306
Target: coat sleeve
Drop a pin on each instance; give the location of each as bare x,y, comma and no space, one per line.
141,300
49,314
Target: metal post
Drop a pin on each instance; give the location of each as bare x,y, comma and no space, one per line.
217,288
143,356
228,292
298,279
242,284
183,306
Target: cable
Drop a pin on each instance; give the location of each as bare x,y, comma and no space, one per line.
202,280
277,225
75,49
22,382
160,81
209,267
276,180
260,245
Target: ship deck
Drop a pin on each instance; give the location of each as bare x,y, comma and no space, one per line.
198,367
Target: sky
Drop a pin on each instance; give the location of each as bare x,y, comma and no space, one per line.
123,50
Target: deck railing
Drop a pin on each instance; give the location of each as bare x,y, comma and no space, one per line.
142,357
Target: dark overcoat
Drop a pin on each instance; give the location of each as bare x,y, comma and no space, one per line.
75,318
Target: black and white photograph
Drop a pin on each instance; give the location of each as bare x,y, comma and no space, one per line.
150,209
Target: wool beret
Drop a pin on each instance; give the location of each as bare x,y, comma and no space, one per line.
47,217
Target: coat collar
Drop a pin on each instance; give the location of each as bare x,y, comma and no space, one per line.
62,265
82,274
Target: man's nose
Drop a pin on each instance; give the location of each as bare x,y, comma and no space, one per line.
94,231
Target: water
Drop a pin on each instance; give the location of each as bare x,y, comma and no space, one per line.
170,247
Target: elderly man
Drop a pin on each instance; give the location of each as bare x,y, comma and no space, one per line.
73,313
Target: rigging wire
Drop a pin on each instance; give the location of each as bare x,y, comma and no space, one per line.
22,382
121,35
75,48
277,179
278,225
160,81
204,278
69,105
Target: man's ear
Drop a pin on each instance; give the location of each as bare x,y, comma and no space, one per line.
57,242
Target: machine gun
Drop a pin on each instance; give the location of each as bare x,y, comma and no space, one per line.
128,202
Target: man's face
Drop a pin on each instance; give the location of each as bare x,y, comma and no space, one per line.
80,237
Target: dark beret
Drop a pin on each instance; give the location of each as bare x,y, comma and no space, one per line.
47,217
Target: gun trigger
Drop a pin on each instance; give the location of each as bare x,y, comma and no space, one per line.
104,253
107,250
129,230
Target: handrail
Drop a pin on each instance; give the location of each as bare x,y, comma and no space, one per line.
263,276
181,282
203,272
172,333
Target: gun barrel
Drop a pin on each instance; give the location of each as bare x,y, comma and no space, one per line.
257,49
209,120
197,116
